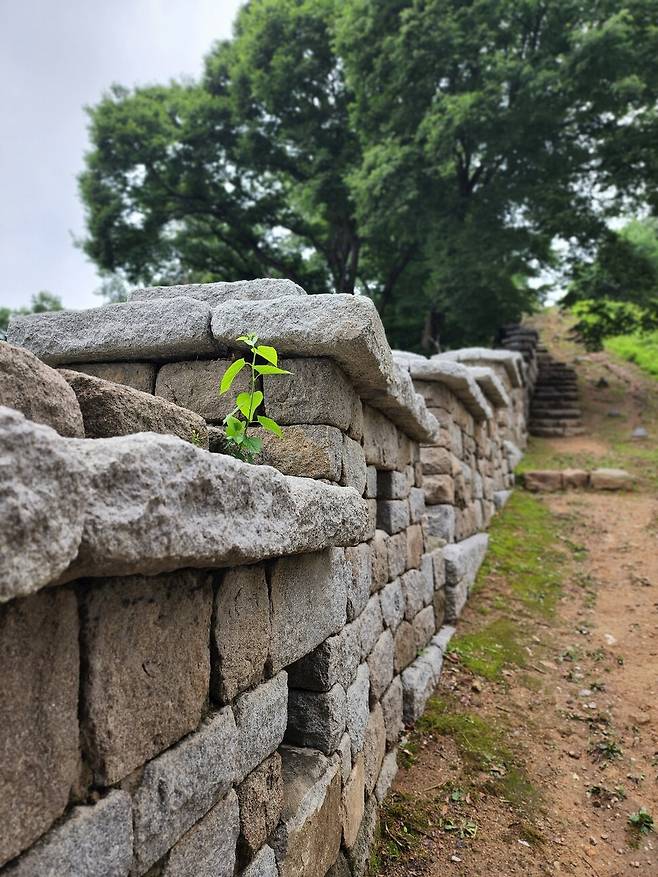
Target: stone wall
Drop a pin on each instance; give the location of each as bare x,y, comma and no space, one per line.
208,665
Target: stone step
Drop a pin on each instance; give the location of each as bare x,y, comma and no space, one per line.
554,423
556,432
563,413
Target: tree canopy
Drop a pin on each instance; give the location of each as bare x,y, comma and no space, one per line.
424,152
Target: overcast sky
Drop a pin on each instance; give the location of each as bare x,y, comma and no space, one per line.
56,56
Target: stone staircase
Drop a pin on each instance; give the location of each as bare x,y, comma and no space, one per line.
554,408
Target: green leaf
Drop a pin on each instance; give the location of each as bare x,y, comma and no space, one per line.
230,375
268,353
252,444
248,339
270,425
270,370
235,429
248,403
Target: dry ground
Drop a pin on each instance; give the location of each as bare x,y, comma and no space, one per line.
542,737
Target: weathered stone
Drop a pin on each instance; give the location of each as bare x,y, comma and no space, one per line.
264,288
355,429
440,522
357,709
153,330
240,634
417,684
138,375
43,490
38,715
439,489
38,391
439,606
443,637
436,461
500,498
369,626
354,465
397,554
359,855
459,380
374,746
312,586
405,646
345,754
308,838
392,515
423,625
94,841
544,481
340,868
188,508
463,559
261,803
360,585
392,485
575,478
511,361
145,646
415,545
208,849
353,801
611,479
334,660
260,716
386,776
309,450
379,554
380,440
432,567
415,589
262,865
392,711
380,665
416,504
393,603
194,385
180,786
316,391
110,409
372,518
371,482
317,719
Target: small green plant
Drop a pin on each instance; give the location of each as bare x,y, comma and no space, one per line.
244,416
195,438
605,750
641,821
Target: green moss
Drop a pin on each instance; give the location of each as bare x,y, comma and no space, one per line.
488,650
523,549
481,748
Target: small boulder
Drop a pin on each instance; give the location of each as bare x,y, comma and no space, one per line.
38,391
545,481
611,479
110,409
575,478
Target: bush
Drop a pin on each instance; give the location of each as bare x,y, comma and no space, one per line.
599,319
642,349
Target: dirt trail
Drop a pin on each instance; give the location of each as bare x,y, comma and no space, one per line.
542,737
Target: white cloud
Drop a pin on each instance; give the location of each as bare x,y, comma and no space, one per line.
54,59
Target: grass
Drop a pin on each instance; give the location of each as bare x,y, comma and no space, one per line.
639,349
481,748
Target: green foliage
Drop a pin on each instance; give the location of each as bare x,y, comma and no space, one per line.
41,302
425,154
599,319
641,821
245,414
642,349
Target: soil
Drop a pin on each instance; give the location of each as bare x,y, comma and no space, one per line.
577,714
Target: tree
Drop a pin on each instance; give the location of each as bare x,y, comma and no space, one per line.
40,303
625,268
506,123
424,152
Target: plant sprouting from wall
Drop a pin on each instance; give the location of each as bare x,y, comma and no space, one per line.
264,361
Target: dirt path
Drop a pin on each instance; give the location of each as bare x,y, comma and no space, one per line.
542,737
